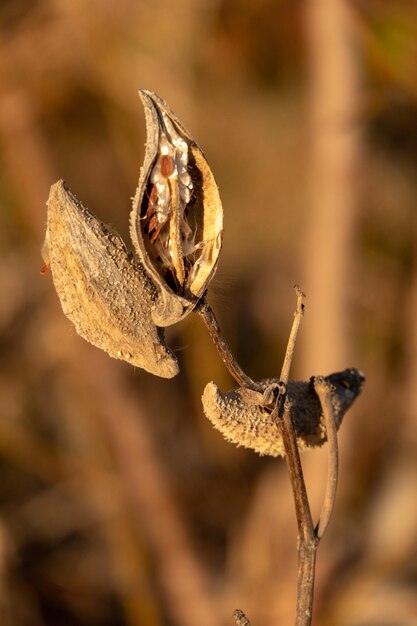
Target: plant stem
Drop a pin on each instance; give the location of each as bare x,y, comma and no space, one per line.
308,536
307,543
206,313
289,353
305,582
323,389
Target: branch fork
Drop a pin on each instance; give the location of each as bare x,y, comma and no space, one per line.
274,399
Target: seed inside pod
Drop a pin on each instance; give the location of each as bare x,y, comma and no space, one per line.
177,217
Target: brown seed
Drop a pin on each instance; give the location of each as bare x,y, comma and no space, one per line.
152,222
167,165
154,231
153,199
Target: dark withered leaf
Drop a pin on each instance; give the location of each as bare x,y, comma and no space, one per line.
245,423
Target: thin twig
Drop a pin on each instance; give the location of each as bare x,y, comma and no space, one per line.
306,539
307,551
323,389
206,313
308,536
299,312
302,507
306,544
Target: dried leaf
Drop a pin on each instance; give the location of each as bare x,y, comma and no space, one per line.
246,424
177,218
104,291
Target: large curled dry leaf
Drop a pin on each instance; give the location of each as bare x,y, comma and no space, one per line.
243,421
104,291
177,219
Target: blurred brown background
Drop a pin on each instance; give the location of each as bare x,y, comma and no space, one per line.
119,503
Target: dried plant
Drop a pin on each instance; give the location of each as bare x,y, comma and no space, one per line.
177,217
104,291
243,418
120,303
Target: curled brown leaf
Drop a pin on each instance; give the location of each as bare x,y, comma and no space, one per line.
241,418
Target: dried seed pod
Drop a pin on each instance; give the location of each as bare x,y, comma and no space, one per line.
104,291
177,220
244,422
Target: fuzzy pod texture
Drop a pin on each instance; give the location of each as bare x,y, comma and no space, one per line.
246,423
176,223
103,290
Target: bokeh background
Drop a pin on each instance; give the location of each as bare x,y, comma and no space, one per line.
119,504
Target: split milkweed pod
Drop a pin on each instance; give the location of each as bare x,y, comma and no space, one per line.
176,223
103,290
121,303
